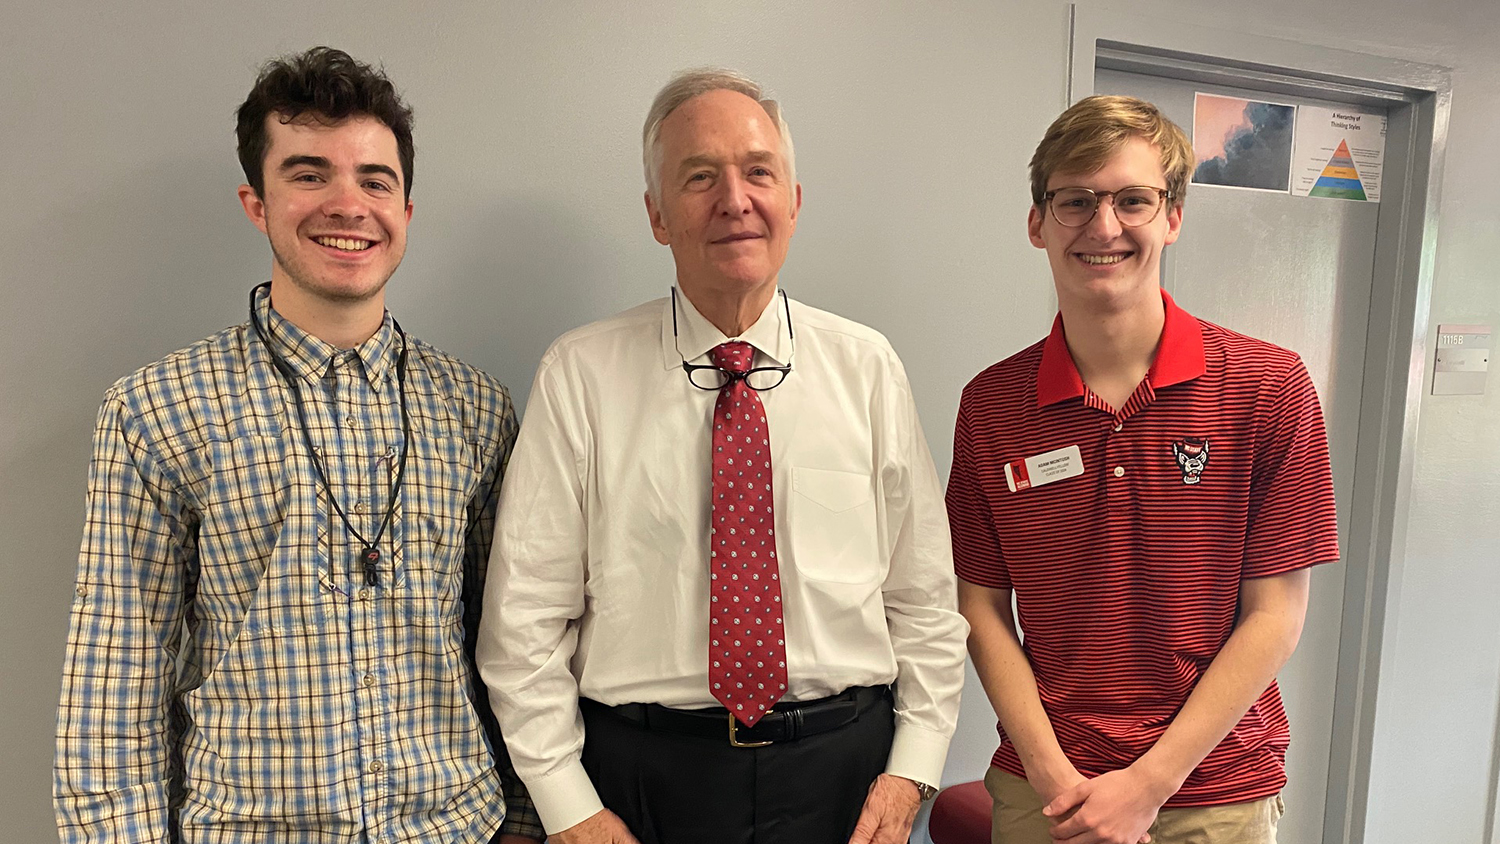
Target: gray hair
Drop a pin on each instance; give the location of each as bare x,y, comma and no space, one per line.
688,84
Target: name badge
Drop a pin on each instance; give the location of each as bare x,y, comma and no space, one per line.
1056,465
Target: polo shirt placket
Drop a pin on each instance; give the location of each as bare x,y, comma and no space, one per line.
1121,461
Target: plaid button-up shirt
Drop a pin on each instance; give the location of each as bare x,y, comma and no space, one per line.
230,676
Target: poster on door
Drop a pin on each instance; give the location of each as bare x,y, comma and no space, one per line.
1242,143
1339,153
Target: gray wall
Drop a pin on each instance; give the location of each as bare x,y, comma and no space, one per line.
121,240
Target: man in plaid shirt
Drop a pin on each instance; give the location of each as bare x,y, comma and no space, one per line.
287,523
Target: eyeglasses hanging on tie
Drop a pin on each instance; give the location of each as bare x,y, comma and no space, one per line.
757,378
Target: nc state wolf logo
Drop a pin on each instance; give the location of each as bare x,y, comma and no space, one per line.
1192,458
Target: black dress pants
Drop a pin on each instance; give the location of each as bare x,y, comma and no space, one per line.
671,788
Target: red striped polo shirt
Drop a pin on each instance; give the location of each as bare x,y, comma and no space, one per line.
1127,575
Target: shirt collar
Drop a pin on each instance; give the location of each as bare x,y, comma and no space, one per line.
1179,357
696,336
311,357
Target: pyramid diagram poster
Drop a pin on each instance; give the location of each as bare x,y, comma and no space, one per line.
1338,153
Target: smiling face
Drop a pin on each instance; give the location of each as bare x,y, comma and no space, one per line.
1103,265
333,208
727,206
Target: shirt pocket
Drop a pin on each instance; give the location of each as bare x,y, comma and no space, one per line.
246,494
257,547
832,522
441,483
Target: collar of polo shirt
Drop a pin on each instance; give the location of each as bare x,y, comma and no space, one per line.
1179,357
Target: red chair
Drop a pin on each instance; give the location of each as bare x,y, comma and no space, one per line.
961,815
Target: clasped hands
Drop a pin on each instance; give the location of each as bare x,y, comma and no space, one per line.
1113,808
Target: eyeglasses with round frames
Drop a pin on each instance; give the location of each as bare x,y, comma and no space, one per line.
1134,206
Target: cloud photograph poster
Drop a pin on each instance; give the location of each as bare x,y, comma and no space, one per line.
1242,143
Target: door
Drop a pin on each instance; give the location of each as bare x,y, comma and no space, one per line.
1296,271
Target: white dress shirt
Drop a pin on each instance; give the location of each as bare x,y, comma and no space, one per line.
598,581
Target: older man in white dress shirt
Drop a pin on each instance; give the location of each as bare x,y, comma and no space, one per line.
722,554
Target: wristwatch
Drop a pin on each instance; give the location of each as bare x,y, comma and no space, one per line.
926,791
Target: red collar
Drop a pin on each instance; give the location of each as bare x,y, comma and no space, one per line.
1179,357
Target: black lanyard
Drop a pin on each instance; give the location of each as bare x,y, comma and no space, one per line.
370,555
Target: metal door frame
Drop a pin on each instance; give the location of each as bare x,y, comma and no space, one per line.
1417,98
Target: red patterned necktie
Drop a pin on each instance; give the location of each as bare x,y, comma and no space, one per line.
747,644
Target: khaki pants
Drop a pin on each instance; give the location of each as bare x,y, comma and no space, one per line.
1018,818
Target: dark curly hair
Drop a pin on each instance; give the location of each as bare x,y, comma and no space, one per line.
324,84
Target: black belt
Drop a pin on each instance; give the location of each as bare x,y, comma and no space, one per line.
785,722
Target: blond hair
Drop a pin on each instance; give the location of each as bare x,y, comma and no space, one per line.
691,83
1083,138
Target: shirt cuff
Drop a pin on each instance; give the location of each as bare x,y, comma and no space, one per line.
917,754
564,797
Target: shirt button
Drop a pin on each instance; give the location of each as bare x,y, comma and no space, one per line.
376,767
363,594
82,591
349,421
1119,471
359,506
1118,426
368,680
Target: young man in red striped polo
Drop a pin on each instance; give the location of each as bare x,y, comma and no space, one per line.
1152,490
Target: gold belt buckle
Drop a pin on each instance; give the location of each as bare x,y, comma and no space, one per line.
734,739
